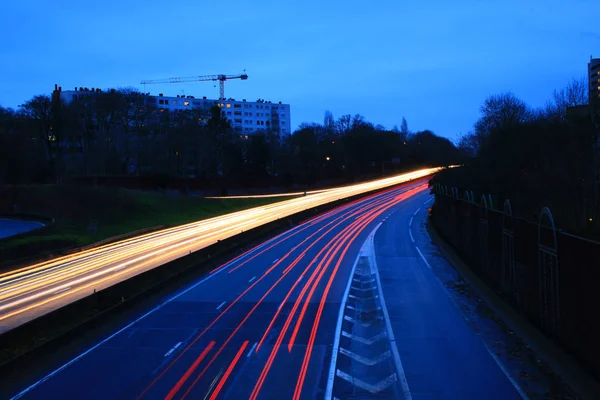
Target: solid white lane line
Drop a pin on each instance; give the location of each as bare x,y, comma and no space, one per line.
221,305
212,385
421,254
431,198
338,333
388,324
251,349
251,280
410,222
416,212
158,307
79,357
412,239
168,353
62,290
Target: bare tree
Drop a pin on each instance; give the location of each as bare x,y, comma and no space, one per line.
502,111
329,122
39,110
344,124
468,144
404,128
574,94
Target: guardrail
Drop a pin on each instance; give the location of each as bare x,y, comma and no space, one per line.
549,276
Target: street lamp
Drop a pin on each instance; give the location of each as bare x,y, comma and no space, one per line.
327,158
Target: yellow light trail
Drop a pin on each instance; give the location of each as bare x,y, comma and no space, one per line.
30,292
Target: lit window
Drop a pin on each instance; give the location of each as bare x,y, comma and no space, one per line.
246,137
186,103
228,105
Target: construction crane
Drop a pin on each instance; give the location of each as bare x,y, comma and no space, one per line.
221,78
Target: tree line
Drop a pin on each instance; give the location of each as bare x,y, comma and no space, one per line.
536,157
121,133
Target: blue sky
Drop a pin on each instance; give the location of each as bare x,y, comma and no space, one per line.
433,62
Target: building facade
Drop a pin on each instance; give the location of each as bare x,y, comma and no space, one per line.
594,84
246,117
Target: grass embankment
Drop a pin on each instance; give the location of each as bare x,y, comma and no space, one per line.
84,215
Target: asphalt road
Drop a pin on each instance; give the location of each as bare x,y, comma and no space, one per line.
266,324
38,289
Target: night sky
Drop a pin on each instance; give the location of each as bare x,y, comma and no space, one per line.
433,62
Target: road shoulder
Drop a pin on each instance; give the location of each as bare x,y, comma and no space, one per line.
540,367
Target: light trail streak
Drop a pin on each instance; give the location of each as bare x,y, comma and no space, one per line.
57,282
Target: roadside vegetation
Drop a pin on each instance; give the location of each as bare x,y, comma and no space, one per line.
547,157
85,214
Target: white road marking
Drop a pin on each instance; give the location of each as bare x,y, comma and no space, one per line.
410,222
412,239
376,388
421,254
277,259
431,198
221,305
251,280
338,333
367,341
158,307
252,349
62,290
366,360
168,353
416,212
212,385
388,324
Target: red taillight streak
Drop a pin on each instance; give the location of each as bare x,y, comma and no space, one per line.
366,198
349,230
368,218
360,224
267,248
312,221
294,286
191,369
310,279
316,322
235,301
250,287
227,373
234,260
182,380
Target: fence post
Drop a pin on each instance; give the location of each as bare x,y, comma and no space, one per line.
548,274
508,249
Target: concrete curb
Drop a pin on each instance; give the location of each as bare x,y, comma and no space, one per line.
578,379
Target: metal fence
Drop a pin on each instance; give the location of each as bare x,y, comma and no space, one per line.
551,277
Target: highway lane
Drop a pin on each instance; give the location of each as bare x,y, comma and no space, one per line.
262,326
206,326
38,289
